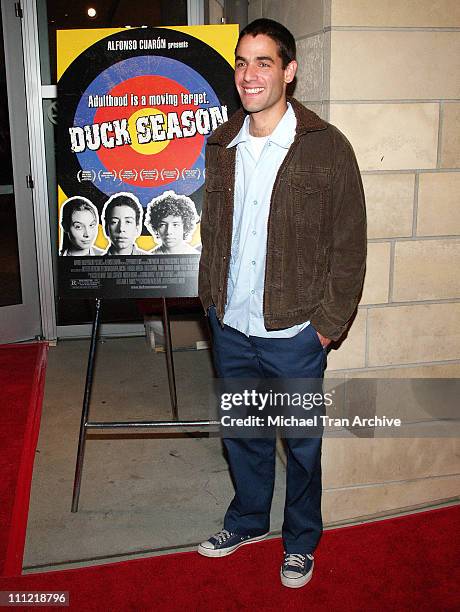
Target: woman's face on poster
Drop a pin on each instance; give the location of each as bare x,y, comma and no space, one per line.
83,229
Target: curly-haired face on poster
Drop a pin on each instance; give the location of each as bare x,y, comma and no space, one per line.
171,219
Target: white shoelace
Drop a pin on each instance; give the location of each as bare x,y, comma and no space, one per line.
223,536
296,559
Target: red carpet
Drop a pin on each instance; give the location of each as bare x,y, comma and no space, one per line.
400,564
22,376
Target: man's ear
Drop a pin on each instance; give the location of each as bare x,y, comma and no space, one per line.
289,71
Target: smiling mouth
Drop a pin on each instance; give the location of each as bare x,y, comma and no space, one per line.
253,90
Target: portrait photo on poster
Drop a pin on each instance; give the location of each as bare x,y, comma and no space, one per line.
79,221
122,217
172,219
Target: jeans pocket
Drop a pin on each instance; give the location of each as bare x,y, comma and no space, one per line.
315,334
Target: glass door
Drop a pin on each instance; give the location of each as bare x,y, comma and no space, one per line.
19,298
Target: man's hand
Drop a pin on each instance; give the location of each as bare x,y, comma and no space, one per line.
324,341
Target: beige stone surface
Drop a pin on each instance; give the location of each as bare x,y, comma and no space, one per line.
413,334
309,84
352,351
450,146
349,504
376,283
349,462
426,270
389,204
392,65
390,136
254,10
444,370
438,210
301,17
316,107
396,13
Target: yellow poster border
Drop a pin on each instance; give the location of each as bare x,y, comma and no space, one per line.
72,43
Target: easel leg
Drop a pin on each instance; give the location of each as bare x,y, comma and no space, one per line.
85,410
170,361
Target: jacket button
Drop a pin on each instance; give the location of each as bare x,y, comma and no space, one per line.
224,258
220,288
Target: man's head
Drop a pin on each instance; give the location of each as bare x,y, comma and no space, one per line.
171,218
264,65
122,217
284,40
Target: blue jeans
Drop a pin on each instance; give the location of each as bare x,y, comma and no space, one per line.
252,461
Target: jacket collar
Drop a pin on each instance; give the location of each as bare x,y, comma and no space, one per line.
307,121
282,135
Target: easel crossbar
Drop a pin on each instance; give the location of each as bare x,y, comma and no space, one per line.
148,424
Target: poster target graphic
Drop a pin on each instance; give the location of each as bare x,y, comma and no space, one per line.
152,86
149,168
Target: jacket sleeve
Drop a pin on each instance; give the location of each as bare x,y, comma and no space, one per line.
347,259
204,280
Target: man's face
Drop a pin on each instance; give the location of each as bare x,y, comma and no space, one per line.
171,232
122,228
259,75
83,229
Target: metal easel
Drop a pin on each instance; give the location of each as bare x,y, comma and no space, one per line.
86,424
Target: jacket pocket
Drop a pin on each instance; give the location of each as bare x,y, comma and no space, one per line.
309,192
309,181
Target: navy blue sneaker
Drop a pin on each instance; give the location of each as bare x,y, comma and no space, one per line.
296,570
226,542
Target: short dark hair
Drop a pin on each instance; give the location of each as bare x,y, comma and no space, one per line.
122,199
276,31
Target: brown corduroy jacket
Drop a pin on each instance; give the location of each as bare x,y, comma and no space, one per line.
316,242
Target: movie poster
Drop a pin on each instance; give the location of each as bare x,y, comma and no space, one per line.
136,106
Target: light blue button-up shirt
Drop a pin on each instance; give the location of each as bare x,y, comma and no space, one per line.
254,179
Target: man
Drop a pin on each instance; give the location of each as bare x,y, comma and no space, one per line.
284,245
171,219
122,222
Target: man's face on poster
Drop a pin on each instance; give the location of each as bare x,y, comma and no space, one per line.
171,232
122,228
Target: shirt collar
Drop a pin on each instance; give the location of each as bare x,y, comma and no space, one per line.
282,135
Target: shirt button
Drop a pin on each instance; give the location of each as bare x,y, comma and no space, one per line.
255,202
252,291
253,262
254,232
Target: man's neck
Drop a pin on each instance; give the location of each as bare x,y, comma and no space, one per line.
264,123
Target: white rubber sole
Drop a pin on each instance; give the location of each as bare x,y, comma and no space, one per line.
210,552
296,583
